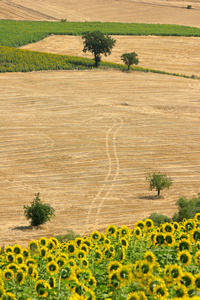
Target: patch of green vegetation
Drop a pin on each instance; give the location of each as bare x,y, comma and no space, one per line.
18,33
17,60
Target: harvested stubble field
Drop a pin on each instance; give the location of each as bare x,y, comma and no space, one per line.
87,139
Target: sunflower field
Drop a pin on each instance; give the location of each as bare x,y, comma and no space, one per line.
146,262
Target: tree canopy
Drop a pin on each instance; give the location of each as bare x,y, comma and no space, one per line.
97,43
159,182
130,59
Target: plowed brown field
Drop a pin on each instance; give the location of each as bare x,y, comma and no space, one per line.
143,11
86,140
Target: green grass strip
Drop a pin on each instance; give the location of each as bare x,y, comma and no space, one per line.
17,60
18,33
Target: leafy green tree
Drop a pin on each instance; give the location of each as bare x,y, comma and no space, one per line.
187,208
130,59
38,212
97,43
159,182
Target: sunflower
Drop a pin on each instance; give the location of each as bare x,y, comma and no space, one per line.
95,236
19,259
92,282
80,254
33,246
2,291
98,256
180,291
85,248
43,252
50,244
190,225
109,253
31,269
124,242
13,267
25,252
20,276
159,239
90,294
42,241
184,257
176,272
41,287
166,274
169,239
187,279
150,257
160,291
113,266
55,241
31,261
88,242
197,217
8,249
8,274
124,274
140,224
67,273
152,282
71,262
197,258
10,296
196,235
148,223
24,268
52,282
71,247
111,230
84,262
184,235
176,225
17,249
133,296
49,257
123,231
52,267
76,296
137,232
168,227
61,261
114,280
197,281
78,241
184,244
10,257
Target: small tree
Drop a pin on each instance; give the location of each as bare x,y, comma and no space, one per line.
159,182
38,212
97,43
130,59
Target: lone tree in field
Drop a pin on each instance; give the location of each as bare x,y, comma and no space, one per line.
159,182
38,212
130,59
97,43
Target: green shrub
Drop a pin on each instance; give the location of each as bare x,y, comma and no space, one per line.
189,6
38,212
187,208
159,219
70,235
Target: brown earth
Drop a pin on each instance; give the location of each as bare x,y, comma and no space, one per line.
170,54
86,141
146,11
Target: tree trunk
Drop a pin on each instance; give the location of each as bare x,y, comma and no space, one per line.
158,192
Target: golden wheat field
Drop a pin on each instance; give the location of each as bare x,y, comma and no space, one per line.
86,140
